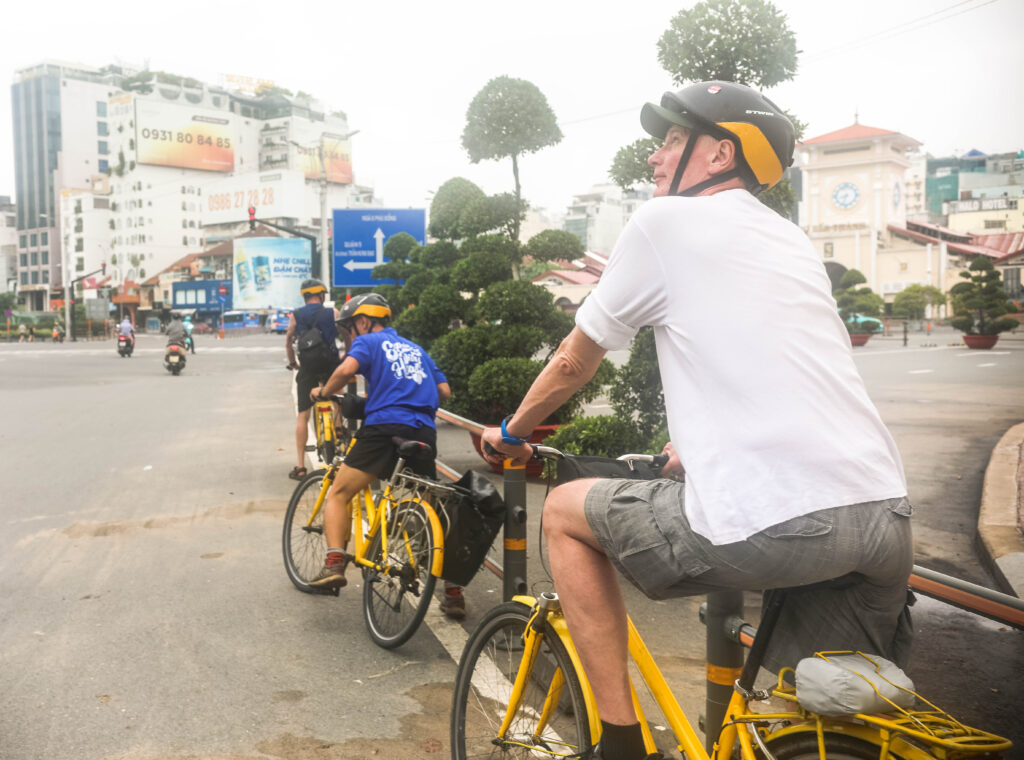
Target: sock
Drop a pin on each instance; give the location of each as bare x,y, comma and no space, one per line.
622,742
335,557
452,590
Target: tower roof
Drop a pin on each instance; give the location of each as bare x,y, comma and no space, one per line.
855,132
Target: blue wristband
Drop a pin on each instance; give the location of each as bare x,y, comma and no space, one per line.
507,438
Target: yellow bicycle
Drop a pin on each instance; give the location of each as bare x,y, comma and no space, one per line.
521,692
398,540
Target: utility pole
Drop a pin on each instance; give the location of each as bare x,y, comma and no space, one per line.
325,253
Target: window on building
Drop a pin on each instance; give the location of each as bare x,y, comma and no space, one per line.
24,278
33,240
101,129
11,221
35,258
23,259
101,109
46,275
79,264
22,241
44,238
101,147
829,250
35,278
45,257
200,297
995,224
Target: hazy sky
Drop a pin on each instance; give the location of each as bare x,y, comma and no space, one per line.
945,72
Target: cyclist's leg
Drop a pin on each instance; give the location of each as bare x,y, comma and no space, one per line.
303,385
337,518
592,601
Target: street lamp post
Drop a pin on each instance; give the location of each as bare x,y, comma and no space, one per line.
325,253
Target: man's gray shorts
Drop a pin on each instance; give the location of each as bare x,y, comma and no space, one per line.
642,527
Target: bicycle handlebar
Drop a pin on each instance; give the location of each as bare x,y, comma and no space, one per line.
547,452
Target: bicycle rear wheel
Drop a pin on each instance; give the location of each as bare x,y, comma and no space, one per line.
804,746
303,543
396,597
483,690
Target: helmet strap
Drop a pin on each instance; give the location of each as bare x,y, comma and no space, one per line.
700,187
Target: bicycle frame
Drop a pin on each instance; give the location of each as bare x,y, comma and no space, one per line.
890,733
369,516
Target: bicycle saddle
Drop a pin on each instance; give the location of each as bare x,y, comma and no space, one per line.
411,449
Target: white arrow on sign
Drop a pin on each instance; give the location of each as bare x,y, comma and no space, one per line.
351,265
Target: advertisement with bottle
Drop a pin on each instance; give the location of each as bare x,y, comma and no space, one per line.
268,272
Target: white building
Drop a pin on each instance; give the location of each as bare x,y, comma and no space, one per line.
8,245
598,216
185,161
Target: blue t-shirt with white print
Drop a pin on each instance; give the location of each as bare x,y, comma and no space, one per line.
401,379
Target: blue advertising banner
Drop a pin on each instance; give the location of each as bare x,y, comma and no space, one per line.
360,235
268,272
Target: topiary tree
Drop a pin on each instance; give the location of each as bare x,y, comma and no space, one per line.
912,302
744,41
506,119
980,303
449,202
555,245
856,302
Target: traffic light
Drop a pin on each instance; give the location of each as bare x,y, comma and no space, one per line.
252,218
103,268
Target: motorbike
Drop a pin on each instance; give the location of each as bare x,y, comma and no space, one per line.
125,346
174,357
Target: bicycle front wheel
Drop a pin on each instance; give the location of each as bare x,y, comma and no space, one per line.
303,541
483,691
398,588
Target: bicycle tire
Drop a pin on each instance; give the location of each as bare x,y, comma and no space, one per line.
804,746
304,547
395,601
483,687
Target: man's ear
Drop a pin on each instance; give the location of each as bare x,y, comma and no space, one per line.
723,157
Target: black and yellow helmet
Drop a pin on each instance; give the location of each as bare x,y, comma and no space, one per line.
762,133
372,305
313,287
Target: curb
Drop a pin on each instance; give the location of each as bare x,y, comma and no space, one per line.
1001,517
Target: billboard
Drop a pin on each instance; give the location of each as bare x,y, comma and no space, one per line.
360,235
267,272
337,160
185,137
275,194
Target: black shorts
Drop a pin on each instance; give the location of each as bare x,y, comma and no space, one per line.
373,451
307,381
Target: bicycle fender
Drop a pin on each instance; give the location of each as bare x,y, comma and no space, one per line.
865,733
437,562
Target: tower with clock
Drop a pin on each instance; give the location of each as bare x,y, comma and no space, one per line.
853,182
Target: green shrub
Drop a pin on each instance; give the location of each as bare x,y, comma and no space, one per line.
607,435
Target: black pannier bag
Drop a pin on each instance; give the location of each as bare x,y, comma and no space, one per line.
475,515
571,467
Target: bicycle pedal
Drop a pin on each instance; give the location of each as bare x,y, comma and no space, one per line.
327,591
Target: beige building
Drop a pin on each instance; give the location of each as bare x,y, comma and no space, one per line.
856,183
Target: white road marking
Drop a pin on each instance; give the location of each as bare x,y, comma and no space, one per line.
988,364
920,371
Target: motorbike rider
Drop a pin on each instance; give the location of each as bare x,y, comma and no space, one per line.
127,329
190,342
176,332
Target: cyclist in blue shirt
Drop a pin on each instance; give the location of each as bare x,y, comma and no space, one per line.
404,390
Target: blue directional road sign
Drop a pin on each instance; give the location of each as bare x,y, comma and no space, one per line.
360,235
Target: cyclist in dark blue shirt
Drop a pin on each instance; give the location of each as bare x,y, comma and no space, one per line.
314,364
404,390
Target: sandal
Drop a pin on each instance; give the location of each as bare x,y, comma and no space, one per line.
297,473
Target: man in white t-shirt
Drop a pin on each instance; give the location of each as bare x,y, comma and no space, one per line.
791,478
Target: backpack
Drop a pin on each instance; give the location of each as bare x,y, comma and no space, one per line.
314,353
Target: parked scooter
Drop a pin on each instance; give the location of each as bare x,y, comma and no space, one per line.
125,345
174,357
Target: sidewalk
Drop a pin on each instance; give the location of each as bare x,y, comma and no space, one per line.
1001,518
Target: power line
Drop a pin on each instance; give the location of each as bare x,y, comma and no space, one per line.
912,25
